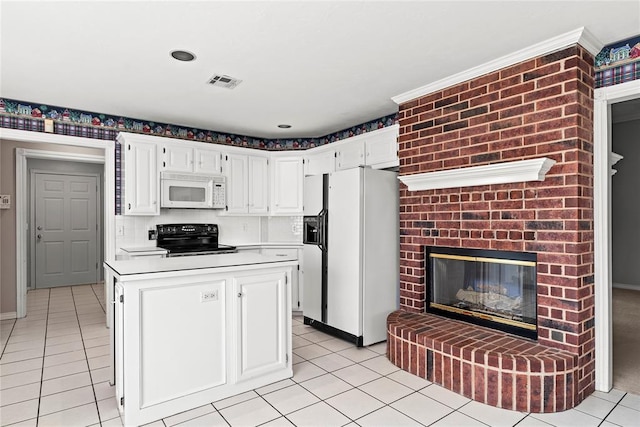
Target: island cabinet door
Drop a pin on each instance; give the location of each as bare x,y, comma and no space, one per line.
180,349
262,316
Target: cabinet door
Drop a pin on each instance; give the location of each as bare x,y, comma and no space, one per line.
141,180
295,275
287,183
350,155
262,316
207,161
236,171
382,150
177,158
258,185
321,163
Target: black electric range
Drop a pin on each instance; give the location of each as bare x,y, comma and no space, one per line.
191,239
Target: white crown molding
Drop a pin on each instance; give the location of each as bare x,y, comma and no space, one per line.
590,42
581,36
496,173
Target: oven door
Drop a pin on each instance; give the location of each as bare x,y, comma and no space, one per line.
183,193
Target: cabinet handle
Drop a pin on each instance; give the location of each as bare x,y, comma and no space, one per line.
239,294
129,206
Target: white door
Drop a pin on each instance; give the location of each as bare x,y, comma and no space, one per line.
262,318
141,181
350,155
207,161
311,266
65,235
258,185
344,288
287,182
237,188
177,158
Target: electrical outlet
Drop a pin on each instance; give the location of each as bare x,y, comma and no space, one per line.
152,234
209,296
120,230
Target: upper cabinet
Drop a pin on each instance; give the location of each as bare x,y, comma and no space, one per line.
381,148
287,177
378,149
177,157
319,161
350,155
140,184
247,184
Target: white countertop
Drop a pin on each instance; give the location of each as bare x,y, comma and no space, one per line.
164,265
147,249
267,244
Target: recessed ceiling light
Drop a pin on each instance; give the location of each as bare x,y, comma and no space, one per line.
183,55
284,126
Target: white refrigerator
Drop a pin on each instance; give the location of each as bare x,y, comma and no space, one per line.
351,253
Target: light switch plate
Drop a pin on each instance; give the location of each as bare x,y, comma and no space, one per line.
5,201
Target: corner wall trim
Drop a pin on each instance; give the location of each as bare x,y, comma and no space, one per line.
496,173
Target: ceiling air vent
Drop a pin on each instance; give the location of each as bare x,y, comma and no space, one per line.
224,81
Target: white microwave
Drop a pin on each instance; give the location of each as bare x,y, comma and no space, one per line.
187,190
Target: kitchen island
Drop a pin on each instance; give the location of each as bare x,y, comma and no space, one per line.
192,330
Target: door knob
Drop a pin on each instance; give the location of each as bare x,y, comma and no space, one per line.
39,227
39,236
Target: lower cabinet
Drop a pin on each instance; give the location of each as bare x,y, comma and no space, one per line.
190,339
296,282
261,324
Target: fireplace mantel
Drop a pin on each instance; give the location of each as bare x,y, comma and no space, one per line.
496,173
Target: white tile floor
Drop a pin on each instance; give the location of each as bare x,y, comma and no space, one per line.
54,372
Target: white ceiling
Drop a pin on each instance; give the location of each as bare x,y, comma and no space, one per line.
320,66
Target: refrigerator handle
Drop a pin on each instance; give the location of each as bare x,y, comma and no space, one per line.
322,236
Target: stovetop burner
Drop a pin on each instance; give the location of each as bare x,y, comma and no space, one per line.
191,239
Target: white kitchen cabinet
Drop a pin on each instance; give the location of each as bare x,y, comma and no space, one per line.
185,338
207,161
140,182
237,173
262,310
247,184
291,252
381,149
189,159
287,180
258,185
350,155
177,158
320,162
378,149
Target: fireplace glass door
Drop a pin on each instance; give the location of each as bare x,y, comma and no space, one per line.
491,288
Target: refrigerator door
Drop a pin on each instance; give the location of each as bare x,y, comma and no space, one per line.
344,287
311,253
380,253
312,199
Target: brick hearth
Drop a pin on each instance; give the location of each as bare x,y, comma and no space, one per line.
482,364
541,107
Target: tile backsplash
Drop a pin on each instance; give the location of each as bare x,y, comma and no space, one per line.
132,231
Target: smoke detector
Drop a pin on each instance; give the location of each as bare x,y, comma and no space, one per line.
224,81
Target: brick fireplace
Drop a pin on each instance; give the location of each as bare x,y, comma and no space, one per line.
539,108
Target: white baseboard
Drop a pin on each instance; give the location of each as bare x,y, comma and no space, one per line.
8,316
626,286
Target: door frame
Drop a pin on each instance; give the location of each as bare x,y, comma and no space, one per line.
32,216
603,98
108,159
